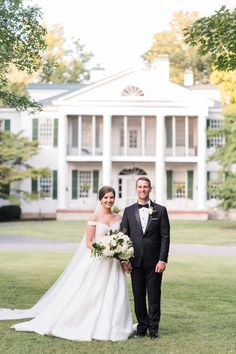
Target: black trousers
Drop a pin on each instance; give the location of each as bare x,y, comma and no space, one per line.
146,281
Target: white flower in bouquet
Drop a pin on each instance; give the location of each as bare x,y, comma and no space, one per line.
113,245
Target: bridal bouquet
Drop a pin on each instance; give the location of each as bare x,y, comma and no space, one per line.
115,244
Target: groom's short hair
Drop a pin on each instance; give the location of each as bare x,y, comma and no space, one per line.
143,178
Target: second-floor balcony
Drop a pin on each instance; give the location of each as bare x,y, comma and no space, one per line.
132,136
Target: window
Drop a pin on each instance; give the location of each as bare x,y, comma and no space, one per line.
133,138
132,91
84,183
86,138
45,187
168,123
179,189
214,124
45,131
180,131
213,183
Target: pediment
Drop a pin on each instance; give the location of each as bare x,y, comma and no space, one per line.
132,85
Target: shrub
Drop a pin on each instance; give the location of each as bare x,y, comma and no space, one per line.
10,212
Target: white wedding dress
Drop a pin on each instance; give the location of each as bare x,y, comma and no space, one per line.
89,300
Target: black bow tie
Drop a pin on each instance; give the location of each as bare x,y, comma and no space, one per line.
143,206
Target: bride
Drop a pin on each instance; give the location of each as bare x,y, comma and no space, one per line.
90,299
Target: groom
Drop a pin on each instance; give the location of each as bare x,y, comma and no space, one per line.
147,225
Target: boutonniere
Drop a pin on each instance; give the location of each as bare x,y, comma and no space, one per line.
151,210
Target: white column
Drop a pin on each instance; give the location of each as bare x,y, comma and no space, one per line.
201,174
106,163
93,134
186,136
160,160
173,136
125,135
143,136
62,167
79,135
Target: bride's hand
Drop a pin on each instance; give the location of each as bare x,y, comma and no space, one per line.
126,266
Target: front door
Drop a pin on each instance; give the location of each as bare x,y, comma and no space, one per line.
126,186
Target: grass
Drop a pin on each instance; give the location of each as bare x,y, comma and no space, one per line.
198,306
210,232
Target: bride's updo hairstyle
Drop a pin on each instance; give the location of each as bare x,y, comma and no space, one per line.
104,190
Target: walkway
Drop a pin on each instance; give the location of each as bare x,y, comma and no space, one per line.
18,243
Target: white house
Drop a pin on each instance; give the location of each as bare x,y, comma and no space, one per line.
109,132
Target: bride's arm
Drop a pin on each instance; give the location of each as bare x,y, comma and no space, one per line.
90,232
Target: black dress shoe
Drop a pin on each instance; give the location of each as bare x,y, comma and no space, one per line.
154,336
139,334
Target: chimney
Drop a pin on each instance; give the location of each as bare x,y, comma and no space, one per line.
96,74
162,67
188,77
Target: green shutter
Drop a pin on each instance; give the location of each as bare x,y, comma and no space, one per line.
54,184
34,186
208,140
208,180
5,191
95,181
7,125
169,184
35,129
55,133
190,184
74,184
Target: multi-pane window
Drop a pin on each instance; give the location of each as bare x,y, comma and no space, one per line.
179,189
133,138
213,183
85,180
215,140
45,186
45,131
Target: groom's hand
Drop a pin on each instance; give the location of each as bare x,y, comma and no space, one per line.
160,267
126,266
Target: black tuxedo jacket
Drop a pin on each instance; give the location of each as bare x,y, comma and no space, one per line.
153,245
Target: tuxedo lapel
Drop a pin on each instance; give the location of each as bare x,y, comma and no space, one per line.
149,217
149,222
137,217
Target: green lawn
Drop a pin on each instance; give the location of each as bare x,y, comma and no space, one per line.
198,306
199,232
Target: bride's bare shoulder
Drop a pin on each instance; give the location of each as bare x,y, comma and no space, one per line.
93,217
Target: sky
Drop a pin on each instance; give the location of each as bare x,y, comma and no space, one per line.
118,32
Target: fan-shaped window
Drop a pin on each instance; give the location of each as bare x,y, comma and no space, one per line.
132,171
132,91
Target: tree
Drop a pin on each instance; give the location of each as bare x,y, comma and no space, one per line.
22,41
70,60
225,153
15,152
172,42
215,35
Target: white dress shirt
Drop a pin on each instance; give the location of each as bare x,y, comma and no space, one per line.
144,215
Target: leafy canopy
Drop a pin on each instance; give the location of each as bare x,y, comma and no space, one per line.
216,35
15,153
22,42
70,58
182,56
